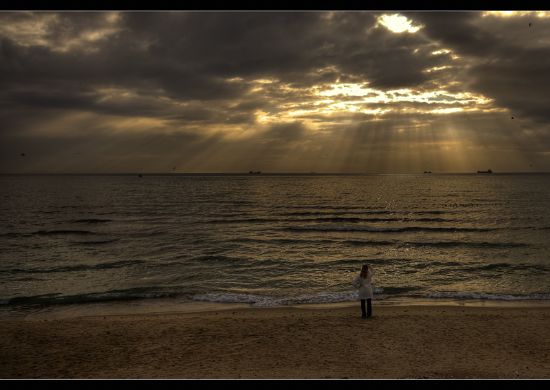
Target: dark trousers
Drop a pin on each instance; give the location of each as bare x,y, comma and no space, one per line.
368,312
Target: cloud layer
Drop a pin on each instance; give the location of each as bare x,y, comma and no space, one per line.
278,91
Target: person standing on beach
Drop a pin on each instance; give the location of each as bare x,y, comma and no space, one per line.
363,283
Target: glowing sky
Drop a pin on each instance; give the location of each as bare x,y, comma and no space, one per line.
384,92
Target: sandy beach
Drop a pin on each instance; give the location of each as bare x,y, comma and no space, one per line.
428,341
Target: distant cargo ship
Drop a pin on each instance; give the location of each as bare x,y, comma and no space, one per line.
487,171
254,172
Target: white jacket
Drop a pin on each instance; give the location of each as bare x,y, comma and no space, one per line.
364,285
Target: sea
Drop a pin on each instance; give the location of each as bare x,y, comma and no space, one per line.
271,240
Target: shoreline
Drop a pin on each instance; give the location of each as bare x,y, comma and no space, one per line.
449,340
175,306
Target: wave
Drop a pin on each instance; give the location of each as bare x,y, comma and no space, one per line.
107,296
279,241
141,293
464,244
350,296
471,204
486,296
48,233
367,212
384,229
368,243
279,263
429,264
97,242
397,243
217,258
61,232
324,207
507,267
74,268
91,220
243,220
14,235
65,233
399,290
268,301
327,219
434,244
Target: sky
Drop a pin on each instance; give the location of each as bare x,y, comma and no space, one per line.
338,92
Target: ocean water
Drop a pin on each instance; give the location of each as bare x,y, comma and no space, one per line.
271,240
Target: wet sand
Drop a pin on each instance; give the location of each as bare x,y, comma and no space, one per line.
400,341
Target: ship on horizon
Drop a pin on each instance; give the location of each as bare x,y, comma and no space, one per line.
487,171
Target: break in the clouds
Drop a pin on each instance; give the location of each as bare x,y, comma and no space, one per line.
274,91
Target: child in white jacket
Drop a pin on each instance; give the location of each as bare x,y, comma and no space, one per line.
363,283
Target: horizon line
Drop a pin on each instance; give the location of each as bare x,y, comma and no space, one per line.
260,173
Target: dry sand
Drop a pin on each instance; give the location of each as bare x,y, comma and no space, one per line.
329,342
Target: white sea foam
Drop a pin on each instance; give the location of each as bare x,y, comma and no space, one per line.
267,301
484,296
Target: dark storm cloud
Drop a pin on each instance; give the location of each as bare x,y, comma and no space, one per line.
460,30
509,60
519,81
190,55
48,99
123,86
